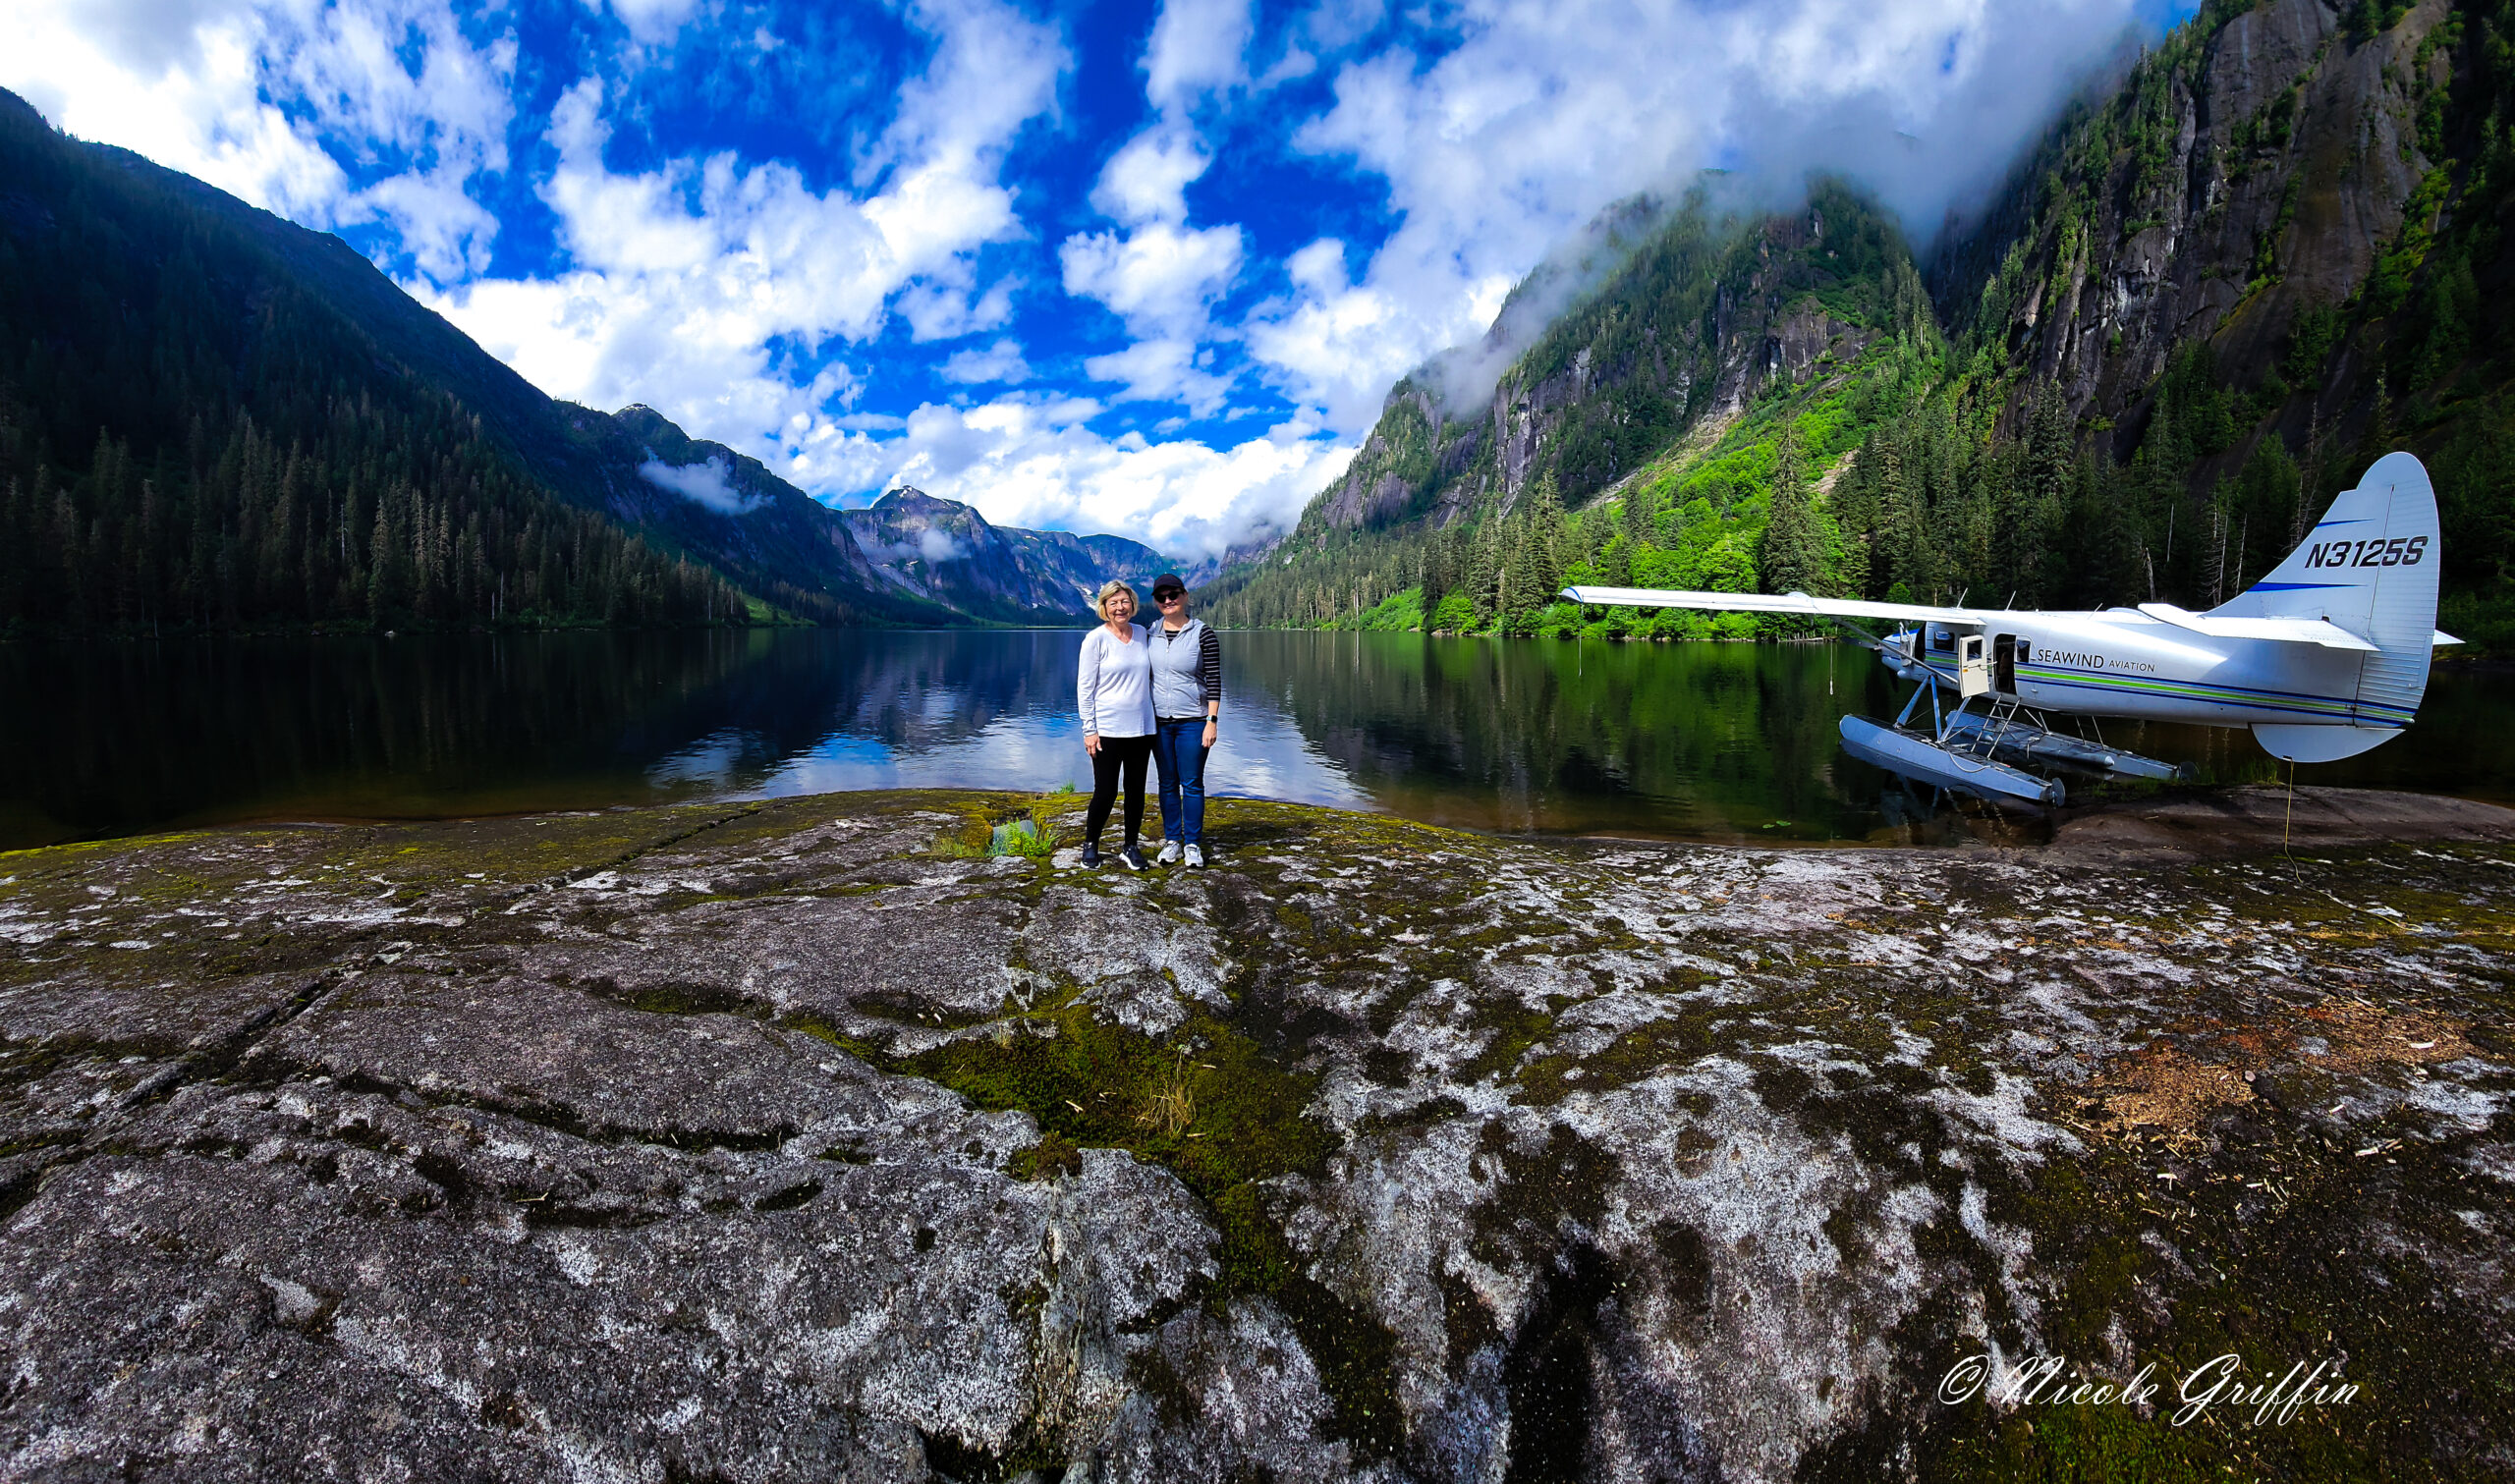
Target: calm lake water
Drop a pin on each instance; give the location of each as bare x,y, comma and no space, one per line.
1713,741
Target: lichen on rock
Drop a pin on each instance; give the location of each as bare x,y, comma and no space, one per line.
761,1142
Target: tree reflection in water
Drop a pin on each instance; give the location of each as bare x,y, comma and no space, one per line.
1686,741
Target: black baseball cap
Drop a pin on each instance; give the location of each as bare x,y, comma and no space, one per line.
1168,581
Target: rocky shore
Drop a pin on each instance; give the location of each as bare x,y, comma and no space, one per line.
776,1141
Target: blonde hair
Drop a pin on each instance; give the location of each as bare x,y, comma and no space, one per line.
1110,589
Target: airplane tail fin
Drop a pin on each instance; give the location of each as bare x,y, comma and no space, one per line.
2368,566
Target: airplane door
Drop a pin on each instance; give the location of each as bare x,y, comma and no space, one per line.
1973,672
2004,663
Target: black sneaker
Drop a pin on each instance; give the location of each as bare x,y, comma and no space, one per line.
1133,858
1091,855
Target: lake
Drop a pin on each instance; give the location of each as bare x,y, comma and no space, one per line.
1705,741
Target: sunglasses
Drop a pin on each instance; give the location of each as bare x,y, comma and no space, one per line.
1172,596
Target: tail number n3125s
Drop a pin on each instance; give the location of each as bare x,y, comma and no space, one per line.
2400,551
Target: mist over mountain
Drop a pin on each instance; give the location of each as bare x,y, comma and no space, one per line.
2213,292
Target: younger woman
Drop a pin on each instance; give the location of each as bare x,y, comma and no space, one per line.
1187,700
1113,686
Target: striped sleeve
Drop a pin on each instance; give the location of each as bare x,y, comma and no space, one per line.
1209,665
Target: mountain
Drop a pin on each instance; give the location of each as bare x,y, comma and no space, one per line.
1702,330
202,423
947,553
2223,280
212,417
907,558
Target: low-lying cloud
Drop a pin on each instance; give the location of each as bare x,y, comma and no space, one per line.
1500,148
709,484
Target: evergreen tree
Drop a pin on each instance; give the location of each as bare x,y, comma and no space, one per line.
1544,544
1485,568
2026,509
1792,556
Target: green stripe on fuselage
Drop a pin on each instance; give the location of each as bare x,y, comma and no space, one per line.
2315,705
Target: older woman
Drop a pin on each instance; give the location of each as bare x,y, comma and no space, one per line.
1113,688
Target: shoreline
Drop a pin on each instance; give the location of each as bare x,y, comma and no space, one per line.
2173,824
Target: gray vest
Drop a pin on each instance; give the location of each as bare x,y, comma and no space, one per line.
1178,690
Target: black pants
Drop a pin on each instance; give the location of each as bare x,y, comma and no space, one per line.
1116,752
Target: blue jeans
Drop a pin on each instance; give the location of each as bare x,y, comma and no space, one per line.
1179,756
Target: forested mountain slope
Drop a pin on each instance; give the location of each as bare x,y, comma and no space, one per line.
2219,285
210,418
200,424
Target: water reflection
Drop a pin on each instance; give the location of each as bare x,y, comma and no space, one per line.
1684,741
968,710
1706,741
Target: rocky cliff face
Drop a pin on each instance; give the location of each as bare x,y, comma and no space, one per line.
947,553
2237,181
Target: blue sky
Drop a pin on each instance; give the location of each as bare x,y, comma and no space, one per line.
1140,267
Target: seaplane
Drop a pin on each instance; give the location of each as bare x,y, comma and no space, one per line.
2323,659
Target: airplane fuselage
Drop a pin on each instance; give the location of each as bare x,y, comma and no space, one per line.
2127,664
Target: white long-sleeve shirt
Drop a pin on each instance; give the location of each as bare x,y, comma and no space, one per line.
1113,684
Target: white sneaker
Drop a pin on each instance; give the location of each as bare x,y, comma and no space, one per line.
1196,857
1170,854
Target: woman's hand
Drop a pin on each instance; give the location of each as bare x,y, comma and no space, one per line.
1091,742
1209,731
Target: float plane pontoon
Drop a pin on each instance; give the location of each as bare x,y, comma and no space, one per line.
2325,658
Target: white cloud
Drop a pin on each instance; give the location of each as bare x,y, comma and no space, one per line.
938,546
689,277
943,310
1162,370
202,89
650,23
1148,179
1197,48
709,484
1001,362
446,232
1543,112
1161,276
993,71
1158,277
1034,462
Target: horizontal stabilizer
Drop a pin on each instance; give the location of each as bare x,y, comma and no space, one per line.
2441,639
2318,743
2288,631
1759,602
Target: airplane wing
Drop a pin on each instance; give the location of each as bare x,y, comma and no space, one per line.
2323,631
2290,630
1761,602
